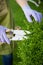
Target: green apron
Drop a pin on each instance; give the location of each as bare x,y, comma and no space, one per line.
5,20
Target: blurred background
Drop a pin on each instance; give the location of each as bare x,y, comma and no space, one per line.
30,51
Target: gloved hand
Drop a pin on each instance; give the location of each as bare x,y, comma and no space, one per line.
29,12
3,37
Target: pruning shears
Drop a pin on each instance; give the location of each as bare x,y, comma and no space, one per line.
15,35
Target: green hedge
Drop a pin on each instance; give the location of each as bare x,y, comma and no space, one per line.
28,52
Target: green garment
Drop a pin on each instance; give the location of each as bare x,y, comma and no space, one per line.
7,21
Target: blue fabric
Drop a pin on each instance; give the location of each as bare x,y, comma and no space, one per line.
7,59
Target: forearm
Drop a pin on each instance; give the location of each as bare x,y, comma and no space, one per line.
22,2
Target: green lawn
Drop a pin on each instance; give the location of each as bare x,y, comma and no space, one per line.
28,52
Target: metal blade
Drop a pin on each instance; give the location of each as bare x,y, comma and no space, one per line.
21,32
17,34
18,37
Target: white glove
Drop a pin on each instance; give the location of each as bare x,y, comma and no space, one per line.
29,12
3,37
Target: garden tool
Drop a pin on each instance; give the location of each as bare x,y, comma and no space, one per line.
16,35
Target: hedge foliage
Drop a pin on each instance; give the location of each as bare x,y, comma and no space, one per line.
30,51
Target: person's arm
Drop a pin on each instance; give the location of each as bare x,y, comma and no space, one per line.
21,2
28,11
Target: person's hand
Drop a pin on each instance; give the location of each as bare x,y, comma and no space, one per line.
3,36
29,12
